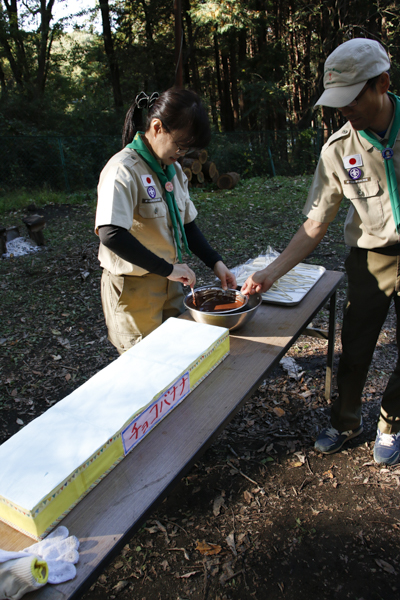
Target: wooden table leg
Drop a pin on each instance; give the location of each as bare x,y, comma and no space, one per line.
330,337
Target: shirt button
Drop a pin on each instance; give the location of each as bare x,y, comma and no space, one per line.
361,193
345,131
155,211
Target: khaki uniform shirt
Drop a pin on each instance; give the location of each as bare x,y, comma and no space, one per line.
130,195
369,223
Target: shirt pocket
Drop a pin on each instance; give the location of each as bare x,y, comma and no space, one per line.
366,198
181,204
152,210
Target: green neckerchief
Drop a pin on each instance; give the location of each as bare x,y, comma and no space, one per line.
141,148
389,166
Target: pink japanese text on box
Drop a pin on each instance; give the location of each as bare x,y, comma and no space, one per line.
144,422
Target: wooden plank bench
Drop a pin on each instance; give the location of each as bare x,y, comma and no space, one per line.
114,510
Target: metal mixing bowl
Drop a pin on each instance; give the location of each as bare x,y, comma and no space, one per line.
231,320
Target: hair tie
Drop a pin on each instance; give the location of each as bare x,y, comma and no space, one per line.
155,96
142,100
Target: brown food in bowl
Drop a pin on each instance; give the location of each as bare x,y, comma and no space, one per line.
215,300
213,306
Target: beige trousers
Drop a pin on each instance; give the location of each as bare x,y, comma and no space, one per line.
134,306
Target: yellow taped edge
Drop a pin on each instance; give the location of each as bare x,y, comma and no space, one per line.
208,362
37,527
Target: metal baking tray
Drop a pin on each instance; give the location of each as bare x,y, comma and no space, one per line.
289,289
292,287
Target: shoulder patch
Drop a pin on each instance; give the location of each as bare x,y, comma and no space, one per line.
131,156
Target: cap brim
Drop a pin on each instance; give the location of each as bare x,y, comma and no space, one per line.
336,97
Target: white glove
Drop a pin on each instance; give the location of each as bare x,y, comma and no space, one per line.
60,553
21,575
52,560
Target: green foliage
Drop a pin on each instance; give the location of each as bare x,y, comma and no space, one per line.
57,163
222,16
262,62
18,200
69,163
256,153
305,150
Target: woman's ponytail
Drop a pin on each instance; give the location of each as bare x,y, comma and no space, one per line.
134,116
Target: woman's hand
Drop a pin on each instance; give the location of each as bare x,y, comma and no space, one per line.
228,280
257,283
183,274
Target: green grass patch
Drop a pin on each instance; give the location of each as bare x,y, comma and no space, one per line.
19,200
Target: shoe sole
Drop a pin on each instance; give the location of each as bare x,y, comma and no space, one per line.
389,462
350,437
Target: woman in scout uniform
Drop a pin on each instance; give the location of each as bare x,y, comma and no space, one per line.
145,218
360,162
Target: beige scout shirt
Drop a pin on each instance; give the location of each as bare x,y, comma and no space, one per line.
369,222
130,195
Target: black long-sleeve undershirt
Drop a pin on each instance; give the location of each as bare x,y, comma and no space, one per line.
126,246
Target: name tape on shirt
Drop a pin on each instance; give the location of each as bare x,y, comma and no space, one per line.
353,160
357,181
147,180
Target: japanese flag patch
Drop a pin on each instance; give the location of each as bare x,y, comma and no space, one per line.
148,180
354,160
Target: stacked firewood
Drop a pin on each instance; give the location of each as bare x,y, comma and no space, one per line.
199,170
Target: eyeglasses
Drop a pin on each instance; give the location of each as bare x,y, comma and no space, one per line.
180,151
360,95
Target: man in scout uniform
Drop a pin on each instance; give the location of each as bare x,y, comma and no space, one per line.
360,162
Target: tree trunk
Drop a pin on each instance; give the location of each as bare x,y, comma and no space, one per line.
188,173
109,49
201,155
227,105
227,181
209,169
178,44
242,66
191,59
234,76
3,86
193,164
45,45
219,80
13,46
198,178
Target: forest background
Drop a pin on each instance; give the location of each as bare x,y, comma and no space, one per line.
66,83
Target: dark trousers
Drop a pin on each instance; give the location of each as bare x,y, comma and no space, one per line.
373,281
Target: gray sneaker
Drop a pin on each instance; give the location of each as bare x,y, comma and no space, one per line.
330,440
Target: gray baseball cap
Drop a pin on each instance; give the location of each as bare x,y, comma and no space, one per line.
348,69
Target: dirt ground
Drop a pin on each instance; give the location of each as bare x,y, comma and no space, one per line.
261,515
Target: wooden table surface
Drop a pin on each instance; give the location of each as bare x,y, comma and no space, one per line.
116,508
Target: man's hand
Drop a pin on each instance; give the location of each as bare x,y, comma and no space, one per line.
257,283
183,274
300,246
228,280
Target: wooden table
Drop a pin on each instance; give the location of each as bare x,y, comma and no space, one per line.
114,510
